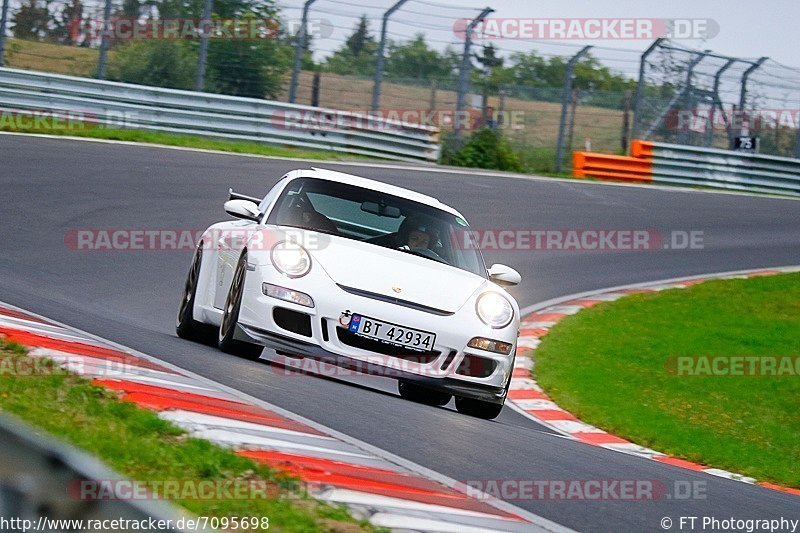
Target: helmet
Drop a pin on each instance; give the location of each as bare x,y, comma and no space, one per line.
419,223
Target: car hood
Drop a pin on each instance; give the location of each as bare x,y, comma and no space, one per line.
375,269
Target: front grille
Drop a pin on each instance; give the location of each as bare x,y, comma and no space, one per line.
375,346
476,367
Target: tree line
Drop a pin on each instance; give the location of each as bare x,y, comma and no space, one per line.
257,68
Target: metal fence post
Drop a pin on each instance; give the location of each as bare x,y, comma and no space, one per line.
3,20
205,24
101,62
626,120
299,48
640,86
797,144
684,95
717,101
568,76
743,92
315,88
682,137
376,86
465,70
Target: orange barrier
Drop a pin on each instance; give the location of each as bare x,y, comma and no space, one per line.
642,149
612,167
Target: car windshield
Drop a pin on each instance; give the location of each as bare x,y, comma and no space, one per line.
380,219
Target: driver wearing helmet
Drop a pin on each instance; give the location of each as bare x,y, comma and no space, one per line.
416,232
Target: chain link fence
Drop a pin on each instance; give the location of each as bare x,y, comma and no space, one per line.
546,102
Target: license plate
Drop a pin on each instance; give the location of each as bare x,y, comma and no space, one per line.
392,333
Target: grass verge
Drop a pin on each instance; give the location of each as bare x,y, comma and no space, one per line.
141,446
615,366
189,141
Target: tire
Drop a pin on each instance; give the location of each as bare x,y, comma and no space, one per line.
185,325
478,408
230,317
415,393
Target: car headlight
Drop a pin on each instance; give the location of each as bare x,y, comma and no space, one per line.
291,259
494,310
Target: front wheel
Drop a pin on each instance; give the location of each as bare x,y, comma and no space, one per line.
478,408
186,326
230,317
415,393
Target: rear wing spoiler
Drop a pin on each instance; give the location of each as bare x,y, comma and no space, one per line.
236,196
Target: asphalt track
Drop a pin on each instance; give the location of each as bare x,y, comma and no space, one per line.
52,186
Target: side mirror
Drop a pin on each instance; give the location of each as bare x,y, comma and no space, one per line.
504,275
243,209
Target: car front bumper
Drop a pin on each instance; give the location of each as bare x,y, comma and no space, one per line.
295,347
451,366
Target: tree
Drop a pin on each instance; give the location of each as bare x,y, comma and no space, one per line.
415,60
492,75
252,68
248,67
131,9
360,40
31,21
65,26
159,63
263,9
358,55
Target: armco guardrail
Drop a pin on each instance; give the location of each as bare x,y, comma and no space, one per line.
690,165
40,481
615,167
214,115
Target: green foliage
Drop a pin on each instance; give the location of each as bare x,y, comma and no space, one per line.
62,24
486,148
159,63
529,70
264,9
141,446
614,366
358,55
131,8
247,68
415,60
31,21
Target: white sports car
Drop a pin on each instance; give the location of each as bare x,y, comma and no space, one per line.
363,275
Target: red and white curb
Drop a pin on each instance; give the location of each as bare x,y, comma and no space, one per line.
375,485
528,398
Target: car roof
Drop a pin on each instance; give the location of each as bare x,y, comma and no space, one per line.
366,183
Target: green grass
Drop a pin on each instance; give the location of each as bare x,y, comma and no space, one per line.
610,366
141,446
189,141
